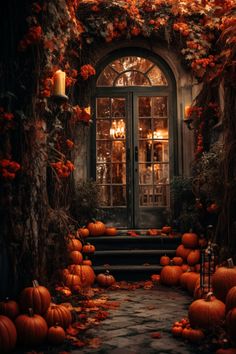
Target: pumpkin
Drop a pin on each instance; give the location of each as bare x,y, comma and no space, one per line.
190,240
87,262
31,328
197,267
105,279
84,272
187,279
170,274
193,257
111,231
191,281
88,248
198,291
193,335
82,232
177,261
73,282
206,313
230,301
9,308
177,331
166,229
96,228
231,324
164,260
153,232
63,290
56,335
182,252
223,280
185,267
8,334
76,257
74,245
63,274
37,297
58,315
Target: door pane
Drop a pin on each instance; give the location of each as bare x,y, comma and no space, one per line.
145,128
103,107
103,151
105,195
119,173
144,107
118,151
145,151
103,129
103,173
161,173
118,107
119,195
160,106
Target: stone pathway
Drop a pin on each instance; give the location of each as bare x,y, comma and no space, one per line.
129,328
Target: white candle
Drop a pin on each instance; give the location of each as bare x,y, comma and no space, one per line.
59,83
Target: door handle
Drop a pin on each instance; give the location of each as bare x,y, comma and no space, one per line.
136,154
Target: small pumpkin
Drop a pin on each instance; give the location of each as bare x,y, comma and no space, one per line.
190,240
84,272
231,324
87,262
56,335
8,334
74,245
96,228
31,328
170,275
82,232
153,232
37,297
182,252
58,315
177,331
206,313
194,257
88,248
166,229
223,280
111,231
177,261
164,260
9,308
63,290
105,279
193,335
185,267
75,257
230,301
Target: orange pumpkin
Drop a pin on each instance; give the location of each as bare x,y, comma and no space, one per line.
82,232
164,260
58,315
63,274
74,245
193,335
190,240
9,308
153,232
63,290
177,261
76,257
96,228
37,297
177,331
206,313
88,248
105,279
191,282
56,335
73,282
8,334
85,274
170,275
87,262
223,280
182,252
31,329
193,257
111,231
230,301
185,267
231,324
166,229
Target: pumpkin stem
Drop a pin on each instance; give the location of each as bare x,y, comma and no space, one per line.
230,263
31,312
209,295
35,283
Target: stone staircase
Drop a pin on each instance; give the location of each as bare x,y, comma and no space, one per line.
131,257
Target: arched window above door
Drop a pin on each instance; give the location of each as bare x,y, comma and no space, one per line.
131,71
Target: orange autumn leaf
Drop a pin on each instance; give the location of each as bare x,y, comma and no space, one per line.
72,331
95,343
156,335
101,315
79,343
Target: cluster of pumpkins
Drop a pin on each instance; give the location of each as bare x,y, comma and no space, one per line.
97,228
32,320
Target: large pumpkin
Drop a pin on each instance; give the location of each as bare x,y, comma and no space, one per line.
73,281
76,257
223,280
193,257
187,279
111,231
37,297
58,315
231,324
206,313
32,329
170,275
105,279
74,245
84,272
96,228
9,308
8,335
230,301
191,282
190,240
182,252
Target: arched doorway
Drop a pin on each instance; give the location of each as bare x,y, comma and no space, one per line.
134,148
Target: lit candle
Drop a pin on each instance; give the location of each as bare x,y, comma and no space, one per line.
59,81
186,111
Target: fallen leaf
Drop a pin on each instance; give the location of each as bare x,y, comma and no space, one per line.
156,335
72,331
79,343
95,343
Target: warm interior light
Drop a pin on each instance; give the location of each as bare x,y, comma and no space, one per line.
117,130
